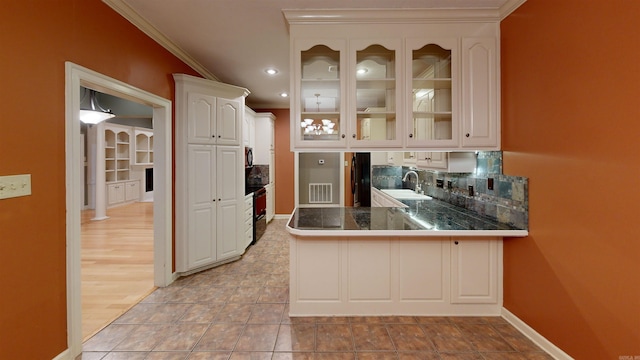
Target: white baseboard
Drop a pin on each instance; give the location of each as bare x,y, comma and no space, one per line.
534,336
282,216
65,355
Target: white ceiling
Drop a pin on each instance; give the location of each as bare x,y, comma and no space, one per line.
234,41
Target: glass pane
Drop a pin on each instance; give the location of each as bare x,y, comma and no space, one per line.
320,94
432,118
376,93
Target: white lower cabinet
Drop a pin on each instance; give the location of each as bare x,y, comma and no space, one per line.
122,192
398,275
248,219
271,201
213,207
475,270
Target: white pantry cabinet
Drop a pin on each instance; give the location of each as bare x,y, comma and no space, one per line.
210,206
213,120
394,80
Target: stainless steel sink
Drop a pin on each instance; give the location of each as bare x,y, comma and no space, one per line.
405,194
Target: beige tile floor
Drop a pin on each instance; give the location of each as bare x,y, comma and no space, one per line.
239,311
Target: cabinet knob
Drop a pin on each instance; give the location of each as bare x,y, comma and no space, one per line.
467,135
343,136
214,135
456,242
214,200
353,136
219,136
410,136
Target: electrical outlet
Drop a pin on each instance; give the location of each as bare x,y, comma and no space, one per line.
490,184
449,185
440,183
470,190
15,185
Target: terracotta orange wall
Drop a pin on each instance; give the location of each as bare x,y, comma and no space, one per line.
37,37
571,123
285,182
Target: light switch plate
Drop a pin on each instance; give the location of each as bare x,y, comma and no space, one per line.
15,185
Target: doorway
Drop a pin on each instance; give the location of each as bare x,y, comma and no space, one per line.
320,179
77,76
117,229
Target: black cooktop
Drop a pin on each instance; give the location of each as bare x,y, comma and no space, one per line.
248,189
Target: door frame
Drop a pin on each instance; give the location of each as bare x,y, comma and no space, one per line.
76,76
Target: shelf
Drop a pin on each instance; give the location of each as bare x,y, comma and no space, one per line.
376,84
442,83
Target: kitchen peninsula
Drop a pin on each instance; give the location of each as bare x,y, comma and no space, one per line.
428,258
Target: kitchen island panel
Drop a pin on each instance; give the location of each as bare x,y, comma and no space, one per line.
310,284
423,269
371,275
370,270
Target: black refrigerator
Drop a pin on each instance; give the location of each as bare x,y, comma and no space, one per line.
361,179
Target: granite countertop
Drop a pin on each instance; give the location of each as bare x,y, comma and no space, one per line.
420,217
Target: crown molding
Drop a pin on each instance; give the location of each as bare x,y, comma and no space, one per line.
400,16
146,27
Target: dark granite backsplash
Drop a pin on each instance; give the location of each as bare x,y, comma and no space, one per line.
257,175
508,202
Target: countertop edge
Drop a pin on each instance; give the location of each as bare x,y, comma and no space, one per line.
406,233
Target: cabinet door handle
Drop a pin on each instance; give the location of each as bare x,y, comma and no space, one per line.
410,136
467,135
343,136
456,242
353,136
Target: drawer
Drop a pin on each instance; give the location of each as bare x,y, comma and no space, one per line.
248,214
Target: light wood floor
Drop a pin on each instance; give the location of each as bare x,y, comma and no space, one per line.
117,263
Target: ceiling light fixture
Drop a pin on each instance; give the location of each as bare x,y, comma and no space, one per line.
271,71
284,95
96,113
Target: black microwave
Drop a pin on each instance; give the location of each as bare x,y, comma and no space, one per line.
248,157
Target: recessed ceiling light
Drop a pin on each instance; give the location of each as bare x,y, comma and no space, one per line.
284,94
271,71
362,71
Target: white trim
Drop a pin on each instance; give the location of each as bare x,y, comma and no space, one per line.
282,216
76,76
146,27
65,355
534,336
404,16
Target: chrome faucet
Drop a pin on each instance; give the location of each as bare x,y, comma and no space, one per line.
418,187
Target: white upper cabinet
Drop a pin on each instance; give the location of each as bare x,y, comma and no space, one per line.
373,86
433,92
369,80
480,93
319,84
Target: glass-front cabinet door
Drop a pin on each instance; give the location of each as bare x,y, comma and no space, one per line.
318,108
374,91
432,72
